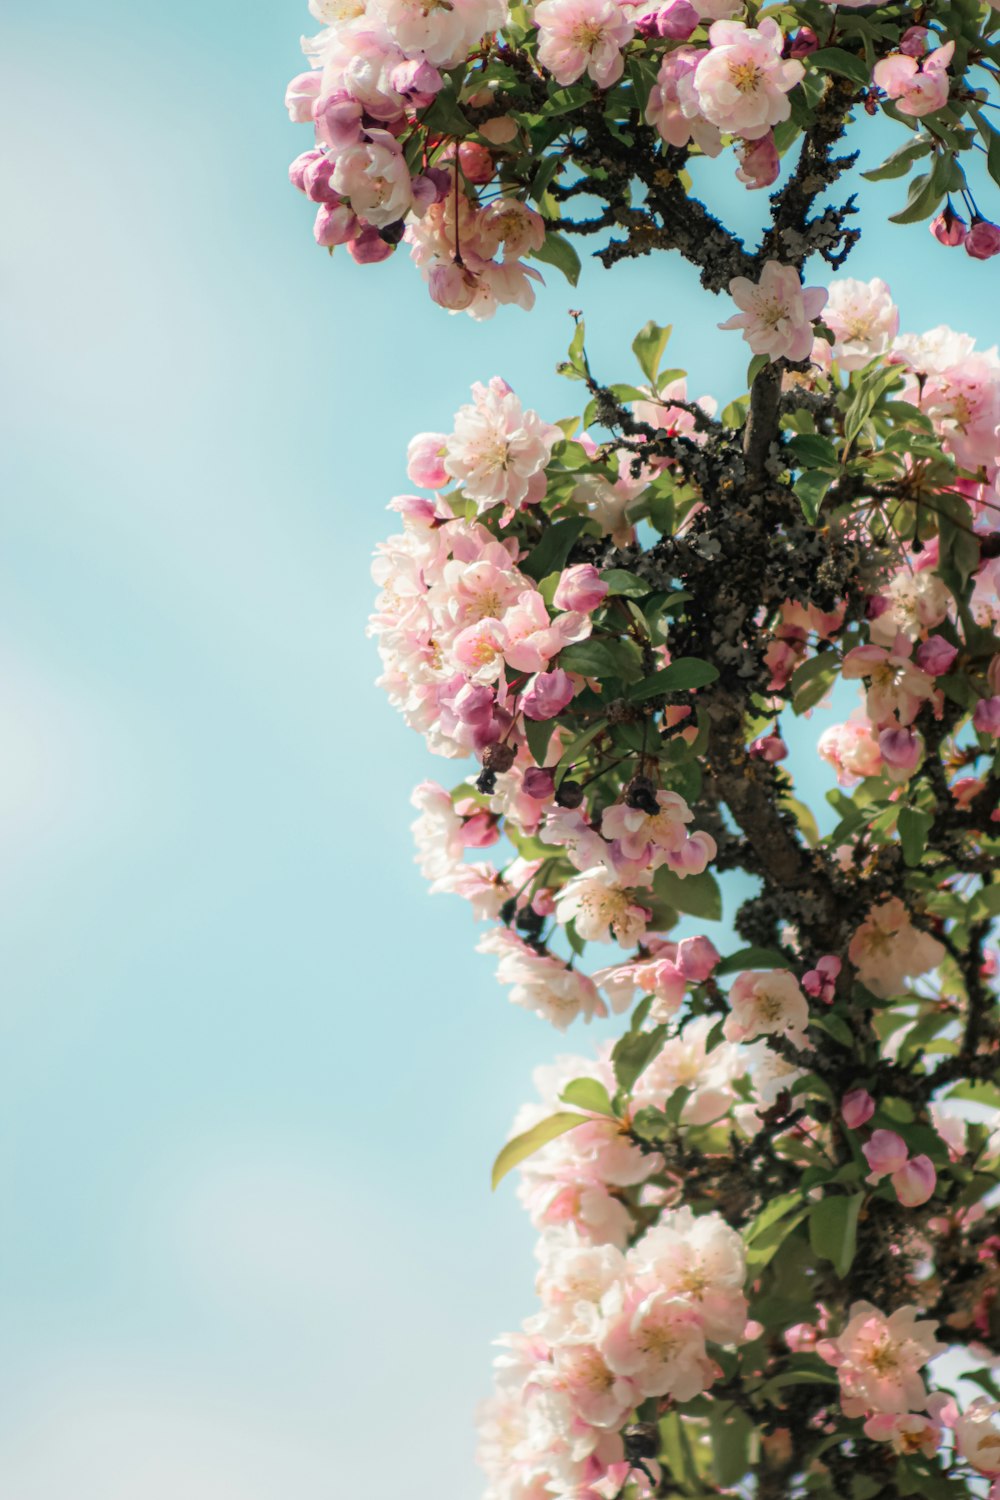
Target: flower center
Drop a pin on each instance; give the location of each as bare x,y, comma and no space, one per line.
744,76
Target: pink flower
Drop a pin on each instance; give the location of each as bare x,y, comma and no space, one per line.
375,179
742,84
911,1432
580,588
917,87
541,983
897,688
983,240
336,224
887,949
512,224
759,162
601,909
498,450
977,1433
547,694
776,315
657,1341
986,719
863,319
878,1360
664,112
851,750
857,1108
767,1004
532,638
582,36
479,649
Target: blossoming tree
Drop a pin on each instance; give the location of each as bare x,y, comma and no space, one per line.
768,1257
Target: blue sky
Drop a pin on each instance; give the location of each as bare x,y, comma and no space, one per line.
251,1078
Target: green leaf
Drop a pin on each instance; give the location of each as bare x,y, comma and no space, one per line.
603,656
900,161
752,958
758,363
914,825
525,1145
621,582
550,554
767,1244
698,895
564,101
833,1229
731,1432
445,116
675,1104
634,1052
576,747
811,489
648,347
836,60
557,251
926,192
810,451
683,674
775,1210
588,1093
538,732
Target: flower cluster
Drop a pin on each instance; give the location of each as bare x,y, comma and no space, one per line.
438,125
766,1184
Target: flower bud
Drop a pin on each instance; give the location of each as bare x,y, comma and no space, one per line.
696,958
949,228
983,240
338,121
769,747
476,163
368,247
297,170
935,656
857,1108
547,694
499,131
902,751
759,162
915,1181
580,588
316,181
885,1153
913,42
804,42
986,719
538,783
301,96
425,461
336,224
676,20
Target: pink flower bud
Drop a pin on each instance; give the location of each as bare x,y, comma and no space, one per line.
547,694
480,830
425,193
804,42
915,1181
452,286
769,747
499,131
368,247
580,588
336,224
418,80
676,20
935,656
538,783
913,42
476,163
949,228
425,460
986,719
696,958
297,170
857,1108
885,1153
301,96
821,982
316,180
983,240
902,750
759,162
338,121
